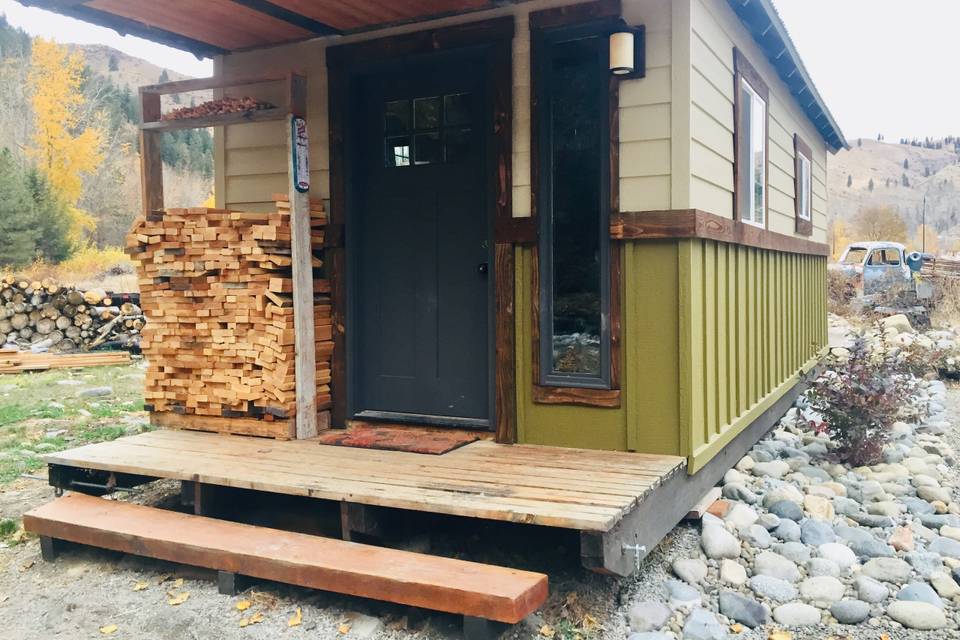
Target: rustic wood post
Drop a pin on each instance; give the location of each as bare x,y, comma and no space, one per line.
151,165
302,256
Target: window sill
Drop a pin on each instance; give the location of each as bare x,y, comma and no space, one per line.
606,398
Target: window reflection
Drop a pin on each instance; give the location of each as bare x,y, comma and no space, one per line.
428,130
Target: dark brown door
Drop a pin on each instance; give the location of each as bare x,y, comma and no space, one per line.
419,240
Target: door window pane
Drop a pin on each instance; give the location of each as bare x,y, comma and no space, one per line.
426,113
396,117
456,144
397,151
456,109
426,148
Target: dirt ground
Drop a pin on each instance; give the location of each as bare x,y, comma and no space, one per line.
87,590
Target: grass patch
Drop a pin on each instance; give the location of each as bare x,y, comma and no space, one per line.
12,413
101,433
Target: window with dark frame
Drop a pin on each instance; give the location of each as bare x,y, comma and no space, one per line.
803,186
751,100
572,92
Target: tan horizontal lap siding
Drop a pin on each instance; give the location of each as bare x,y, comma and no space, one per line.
750,320
715,31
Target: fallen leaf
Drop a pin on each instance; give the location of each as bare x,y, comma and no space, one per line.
178,583
547,631
256,618
107,630
140,586
179,599
243,605
28,565
164,578
344,628
736,628
884,636
779,634
296,619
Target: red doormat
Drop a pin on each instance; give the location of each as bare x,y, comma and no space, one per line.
398,438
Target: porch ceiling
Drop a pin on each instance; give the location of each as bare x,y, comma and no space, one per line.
213,27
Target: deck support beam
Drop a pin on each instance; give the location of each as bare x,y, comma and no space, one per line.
230,583
482,629
620,550
359,519
50,548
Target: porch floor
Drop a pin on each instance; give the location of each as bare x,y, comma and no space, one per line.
551,486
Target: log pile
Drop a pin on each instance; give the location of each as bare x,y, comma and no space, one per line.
216,107
44,315
16,361
217,288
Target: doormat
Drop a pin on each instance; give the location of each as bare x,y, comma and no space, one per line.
398,438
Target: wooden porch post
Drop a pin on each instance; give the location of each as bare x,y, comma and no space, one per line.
302,256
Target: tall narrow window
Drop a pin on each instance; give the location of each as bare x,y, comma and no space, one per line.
573,201
750,108
803,186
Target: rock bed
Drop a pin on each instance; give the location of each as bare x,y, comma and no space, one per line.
802,543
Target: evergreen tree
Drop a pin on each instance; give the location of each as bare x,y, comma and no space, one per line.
904,180
906,163
849,180
859,142
113,64
164,76
870,184
17,223
52,219
926,172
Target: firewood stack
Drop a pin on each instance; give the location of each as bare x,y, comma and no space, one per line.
219,106
217,288
47,316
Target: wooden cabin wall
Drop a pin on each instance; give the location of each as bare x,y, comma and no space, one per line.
750,321
714,32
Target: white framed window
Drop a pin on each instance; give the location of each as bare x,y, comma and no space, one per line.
803,186
750,108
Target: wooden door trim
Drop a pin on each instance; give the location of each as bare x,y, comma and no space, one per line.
495,38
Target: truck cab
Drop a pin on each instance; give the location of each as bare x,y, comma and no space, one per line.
877,265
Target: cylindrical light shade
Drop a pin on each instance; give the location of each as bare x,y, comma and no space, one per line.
621,52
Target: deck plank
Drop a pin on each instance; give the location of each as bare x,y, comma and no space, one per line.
569,488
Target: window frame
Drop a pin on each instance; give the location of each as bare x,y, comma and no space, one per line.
802,152
545,376
746,75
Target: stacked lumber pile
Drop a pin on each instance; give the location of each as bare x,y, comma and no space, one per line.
44,315
217,287
16,361
216,107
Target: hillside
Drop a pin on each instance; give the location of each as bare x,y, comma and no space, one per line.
930,173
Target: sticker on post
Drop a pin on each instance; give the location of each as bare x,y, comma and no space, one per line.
301,154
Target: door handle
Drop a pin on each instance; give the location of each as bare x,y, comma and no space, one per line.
483,268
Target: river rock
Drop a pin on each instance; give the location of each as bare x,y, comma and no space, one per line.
741,516
692,570
648,615
738,491
870,590
945,547
925,562
933,494
785,509
788,531
850,611
772,588
920,592
816,532
682,595
837,553
744,610
795,614
822,590
718,543
732,572
887,570
822,567
782,492
775,565
95,392
818,507
793,551
773,469
756,536
845,506
945,585
917,615
703,625
901,539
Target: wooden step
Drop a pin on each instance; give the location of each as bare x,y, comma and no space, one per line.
444,584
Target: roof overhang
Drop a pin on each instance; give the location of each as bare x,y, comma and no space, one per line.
214,27
768,30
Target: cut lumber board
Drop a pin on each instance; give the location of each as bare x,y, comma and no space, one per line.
12,361
442,584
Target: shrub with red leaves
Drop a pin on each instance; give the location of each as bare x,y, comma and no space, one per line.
859,397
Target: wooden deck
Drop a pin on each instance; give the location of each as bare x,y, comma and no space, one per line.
587,490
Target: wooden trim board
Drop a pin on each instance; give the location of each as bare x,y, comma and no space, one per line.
694,223
442,584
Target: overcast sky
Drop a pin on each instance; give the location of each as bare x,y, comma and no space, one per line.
883,66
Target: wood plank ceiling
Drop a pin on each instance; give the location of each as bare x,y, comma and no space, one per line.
212,27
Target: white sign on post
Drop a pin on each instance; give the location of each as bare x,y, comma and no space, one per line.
301,154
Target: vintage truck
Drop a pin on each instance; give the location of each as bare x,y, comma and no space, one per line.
878,266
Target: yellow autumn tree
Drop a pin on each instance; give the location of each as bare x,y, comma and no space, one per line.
65,144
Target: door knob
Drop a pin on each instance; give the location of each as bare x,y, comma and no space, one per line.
482,268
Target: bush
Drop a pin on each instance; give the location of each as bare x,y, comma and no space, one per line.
841,290
863,393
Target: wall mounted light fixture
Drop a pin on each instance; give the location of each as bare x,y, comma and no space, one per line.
627,50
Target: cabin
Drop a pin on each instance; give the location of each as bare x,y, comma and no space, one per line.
551,263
